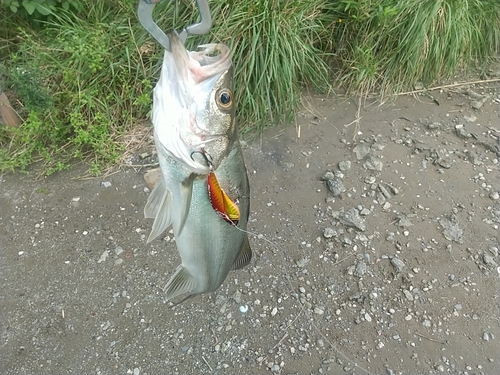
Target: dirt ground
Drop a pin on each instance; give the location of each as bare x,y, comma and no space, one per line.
398,273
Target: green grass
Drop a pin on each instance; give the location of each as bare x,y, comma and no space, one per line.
82,78
82,83
393,45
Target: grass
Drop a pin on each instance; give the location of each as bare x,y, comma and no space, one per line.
82,79
81,84
397,43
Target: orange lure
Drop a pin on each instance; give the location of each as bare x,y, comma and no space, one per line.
220,201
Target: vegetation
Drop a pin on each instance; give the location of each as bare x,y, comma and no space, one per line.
80,73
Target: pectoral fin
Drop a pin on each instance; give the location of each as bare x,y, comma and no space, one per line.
181,282
155,200
158,208
244,256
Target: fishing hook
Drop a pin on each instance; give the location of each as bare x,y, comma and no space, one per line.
145,15
205,155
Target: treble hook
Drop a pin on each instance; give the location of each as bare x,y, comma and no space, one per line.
145,15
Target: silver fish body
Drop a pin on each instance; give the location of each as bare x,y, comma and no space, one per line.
195,135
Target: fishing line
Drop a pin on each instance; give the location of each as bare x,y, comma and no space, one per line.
258,236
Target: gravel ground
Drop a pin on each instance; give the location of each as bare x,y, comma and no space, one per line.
376,251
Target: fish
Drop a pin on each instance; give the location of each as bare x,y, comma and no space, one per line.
204,192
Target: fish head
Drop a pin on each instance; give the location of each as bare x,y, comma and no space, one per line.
193,108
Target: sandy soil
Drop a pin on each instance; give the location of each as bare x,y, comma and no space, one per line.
397,274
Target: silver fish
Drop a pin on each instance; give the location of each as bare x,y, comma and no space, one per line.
196,139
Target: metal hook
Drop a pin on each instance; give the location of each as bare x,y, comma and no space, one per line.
145,15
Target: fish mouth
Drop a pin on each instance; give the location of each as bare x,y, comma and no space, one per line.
211,60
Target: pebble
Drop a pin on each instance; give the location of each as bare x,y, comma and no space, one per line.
440,368
489,261
486,336
408,295
380,345
106,184
334,184
319,310
494,195
361,150
136,371
243,309
274,311
344,165
470,118
373,164
353,219
103,256
398,264
118,250
328,232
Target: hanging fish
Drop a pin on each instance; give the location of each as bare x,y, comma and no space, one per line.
204,191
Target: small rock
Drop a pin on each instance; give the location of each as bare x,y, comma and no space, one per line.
477,104
361,150
486,336
380,345
398,264
328,232
319,310
274,311
302,262
152,177
361,269
440,368
106,184
434,125
334,184
489,261
494,195
373,164
451,229
403,221
351,218
344,165
384,191
118,250
136,371
470,118
243,309
408,295
103,257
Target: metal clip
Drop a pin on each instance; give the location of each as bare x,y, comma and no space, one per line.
145,15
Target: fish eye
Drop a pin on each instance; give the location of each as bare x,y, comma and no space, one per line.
224,98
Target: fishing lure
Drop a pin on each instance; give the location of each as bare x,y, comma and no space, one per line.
221,202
